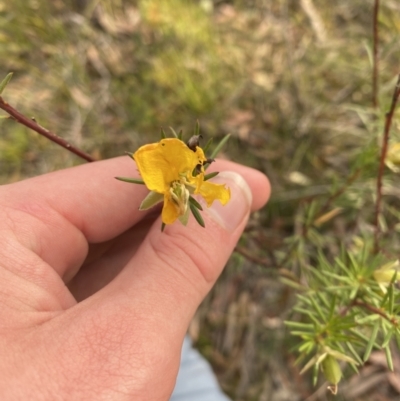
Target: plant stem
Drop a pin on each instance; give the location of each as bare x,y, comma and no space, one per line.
33,125
385,142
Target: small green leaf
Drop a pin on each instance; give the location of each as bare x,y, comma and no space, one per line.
197,128
180,134
130,154
208,144
210,175
162,226
195,203
389,358
197,215
163,135
354,353
5,82
152,199
131,180
391,296
315,375
371,341
298,325
387,338
220,145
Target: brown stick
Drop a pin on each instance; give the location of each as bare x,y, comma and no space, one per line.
385,142
32,124
375,56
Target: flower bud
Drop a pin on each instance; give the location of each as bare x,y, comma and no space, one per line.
331,369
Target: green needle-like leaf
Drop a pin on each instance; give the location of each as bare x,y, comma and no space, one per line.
197,128
5,82
221,144
163,135
195,203
174,132
389,358
197,214
131,180
180,134
387,338
371,341
210,175
208,144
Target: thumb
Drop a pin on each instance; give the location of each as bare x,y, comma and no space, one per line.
173,270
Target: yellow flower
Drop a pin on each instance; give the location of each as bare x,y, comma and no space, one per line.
392,159
167,170
384,274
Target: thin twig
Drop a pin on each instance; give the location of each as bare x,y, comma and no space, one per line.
375,56
33,125
385,141
375,310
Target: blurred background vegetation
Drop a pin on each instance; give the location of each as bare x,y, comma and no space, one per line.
291,80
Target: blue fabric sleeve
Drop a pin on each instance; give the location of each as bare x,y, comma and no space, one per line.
196,380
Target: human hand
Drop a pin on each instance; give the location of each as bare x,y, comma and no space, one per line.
115,330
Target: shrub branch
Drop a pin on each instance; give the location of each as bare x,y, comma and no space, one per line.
385,142
33,125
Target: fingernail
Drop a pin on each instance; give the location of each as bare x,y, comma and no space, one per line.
237,209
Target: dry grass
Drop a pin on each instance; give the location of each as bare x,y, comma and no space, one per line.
291,80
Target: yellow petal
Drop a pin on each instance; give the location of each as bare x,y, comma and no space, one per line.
210,192
163,162
170,211
200,154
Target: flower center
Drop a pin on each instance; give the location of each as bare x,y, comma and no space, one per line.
180,196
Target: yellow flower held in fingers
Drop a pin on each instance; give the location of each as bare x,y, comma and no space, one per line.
167,169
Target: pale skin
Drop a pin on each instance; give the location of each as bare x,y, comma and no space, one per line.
95,300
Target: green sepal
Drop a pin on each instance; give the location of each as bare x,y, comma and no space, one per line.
162,226
130,155
197,214
180,134
211,175
152,199
195,203
184,218
163,135
131,180
5,82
